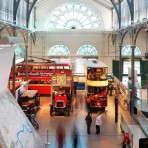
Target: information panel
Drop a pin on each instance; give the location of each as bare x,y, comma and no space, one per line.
15,128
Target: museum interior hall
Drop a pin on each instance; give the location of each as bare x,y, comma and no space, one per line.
74,73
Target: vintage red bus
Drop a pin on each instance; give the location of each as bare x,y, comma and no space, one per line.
41,75
97,84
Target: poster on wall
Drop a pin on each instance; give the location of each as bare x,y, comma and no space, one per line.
82,79
61,79
68,80
75,79
54,79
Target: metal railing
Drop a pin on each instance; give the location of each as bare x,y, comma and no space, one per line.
142,120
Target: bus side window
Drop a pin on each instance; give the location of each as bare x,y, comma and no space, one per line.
35,82
42,82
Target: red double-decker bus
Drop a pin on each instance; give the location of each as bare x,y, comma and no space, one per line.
41,75
97,84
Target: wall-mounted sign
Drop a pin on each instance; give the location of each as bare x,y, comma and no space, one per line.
82,79
61,79
76,79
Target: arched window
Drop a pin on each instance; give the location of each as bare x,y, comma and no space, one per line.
19,50
59,50
87,50
73,15
126,51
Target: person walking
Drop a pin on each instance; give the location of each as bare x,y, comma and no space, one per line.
51,109
88,120
75,137
60,136
98,122
110,88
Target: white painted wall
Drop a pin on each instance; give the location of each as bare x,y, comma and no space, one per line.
74,40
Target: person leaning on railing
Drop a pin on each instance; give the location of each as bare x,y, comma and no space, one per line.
126,139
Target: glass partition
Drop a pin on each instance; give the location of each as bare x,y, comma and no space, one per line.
142,121
141,104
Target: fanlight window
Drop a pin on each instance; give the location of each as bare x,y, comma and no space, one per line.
87,50
73,15
126,51
59,50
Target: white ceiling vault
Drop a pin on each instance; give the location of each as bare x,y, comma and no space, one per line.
105,3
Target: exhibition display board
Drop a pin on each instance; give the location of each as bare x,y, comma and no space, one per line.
15,128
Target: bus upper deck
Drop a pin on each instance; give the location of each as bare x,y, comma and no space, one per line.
42,75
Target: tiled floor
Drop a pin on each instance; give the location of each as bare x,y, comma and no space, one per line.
110,136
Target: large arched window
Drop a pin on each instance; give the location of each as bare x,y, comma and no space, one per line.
73,15
20,53
126,51
19,50
59,50
87,50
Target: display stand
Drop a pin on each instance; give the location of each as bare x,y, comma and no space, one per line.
123,94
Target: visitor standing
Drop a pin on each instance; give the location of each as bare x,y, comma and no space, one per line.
88,120
98,122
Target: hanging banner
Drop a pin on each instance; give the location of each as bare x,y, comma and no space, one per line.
6,57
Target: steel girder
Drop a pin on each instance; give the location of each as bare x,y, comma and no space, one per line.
131,8
118,10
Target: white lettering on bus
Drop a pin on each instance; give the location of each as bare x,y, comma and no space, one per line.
42,74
